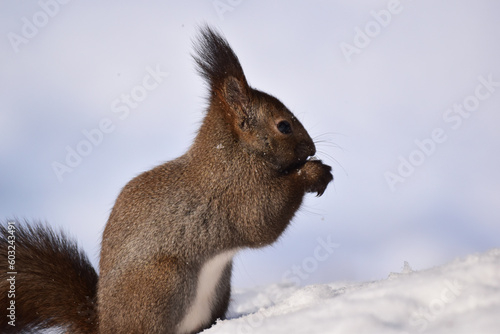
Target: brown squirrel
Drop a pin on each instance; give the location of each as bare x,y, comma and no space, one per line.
167,248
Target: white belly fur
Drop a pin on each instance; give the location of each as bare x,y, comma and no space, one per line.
200,310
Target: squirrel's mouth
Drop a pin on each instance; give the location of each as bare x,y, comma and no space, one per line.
298,164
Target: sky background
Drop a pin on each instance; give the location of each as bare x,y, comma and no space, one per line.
64,67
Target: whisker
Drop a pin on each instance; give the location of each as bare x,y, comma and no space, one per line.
319,137
325,140
333,160
329,144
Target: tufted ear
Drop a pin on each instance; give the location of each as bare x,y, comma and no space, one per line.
236,94
215,59
219,66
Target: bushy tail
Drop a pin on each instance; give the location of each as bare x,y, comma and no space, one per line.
45,281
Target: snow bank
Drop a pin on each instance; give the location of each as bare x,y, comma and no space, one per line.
460,297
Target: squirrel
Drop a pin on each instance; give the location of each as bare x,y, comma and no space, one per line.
167,248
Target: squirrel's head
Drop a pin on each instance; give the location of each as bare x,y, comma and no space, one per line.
259,122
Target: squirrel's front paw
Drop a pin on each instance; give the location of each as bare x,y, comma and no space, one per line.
317,175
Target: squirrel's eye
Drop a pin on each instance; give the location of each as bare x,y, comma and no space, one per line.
284,127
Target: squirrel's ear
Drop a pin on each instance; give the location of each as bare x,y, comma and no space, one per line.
219,66
236,94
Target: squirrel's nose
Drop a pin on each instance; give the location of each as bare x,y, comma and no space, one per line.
306,149
312,149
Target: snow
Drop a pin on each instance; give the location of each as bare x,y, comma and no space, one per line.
460,297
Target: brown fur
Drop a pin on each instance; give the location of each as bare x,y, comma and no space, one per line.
55,284
238,186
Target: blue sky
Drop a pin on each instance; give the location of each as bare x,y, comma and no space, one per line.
403,98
